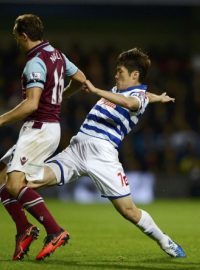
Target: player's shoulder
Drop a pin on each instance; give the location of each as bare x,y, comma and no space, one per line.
138,90
34,60
35,63
48,48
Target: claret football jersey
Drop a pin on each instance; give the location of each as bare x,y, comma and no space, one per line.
47,68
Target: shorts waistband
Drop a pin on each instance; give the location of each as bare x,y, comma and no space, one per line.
37,124
84,138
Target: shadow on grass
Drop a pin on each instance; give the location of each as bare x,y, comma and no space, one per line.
156,263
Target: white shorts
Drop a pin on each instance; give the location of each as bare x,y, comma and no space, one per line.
35,144
95,158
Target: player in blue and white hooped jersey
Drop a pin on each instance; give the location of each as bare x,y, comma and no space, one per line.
112,122
93,151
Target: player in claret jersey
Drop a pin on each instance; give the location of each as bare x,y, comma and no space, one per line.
42,86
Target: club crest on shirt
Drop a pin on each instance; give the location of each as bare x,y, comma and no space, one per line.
23,160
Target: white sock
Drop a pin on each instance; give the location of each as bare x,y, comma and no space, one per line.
148,226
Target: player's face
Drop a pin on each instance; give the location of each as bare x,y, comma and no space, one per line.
124,79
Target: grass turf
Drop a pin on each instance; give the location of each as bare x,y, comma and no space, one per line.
102,239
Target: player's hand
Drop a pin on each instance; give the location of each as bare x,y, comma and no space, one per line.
165,98
89,87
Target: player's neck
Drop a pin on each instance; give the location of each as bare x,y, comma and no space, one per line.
32,44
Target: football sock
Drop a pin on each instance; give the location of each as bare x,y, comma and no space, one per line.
148,226
34,204
15,210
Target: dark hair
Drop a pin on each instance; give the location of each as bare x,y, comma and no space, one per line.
135,59
31,25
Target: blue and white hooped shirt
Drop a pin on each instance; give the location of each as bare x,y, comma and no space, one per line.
112,122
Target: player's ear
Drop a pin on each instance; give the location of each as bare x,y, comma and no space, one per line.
24,36
135,75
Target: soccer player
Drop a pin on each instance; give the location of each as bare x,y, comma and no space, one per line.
42,88
93,151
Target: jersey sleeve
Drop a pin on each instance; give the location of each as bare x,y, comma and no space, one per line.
71,69
113,89
142,99
35,73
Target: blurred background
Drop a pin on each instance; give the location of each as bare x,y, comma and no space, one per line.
162,156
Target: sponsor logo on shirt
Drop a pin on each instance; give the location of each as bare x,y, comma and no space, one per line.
107,103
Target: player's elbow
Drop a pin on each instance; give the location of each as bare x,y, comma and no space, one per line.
132,107
33,107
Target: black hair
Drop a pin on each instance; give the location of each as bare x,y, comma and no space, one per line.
135,59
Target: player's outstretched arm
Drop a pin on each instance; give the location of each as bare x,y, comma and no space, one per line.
131,103
163,98
75,84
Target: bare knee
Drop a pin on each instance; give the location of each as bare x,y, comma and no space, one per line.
15,181
126,207
131,214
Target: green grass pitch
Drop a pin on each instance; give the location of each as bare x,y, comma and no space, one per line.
102,239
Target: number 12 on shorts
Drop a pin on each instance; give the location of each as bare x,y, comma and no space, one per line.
123,179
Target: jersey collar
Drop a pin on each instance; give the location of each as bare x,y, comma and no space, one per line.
37,48
141,86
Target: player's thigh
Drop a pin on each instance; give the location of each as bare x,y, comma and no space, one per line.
33,147
67,165
15,181
38,144
107,173
48,179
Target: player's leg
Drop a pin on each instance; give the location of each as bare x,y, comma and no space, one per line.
126,207
11,205
107,173
14,208
61,169
49,179
25,154
34,204
26,232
